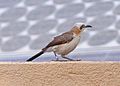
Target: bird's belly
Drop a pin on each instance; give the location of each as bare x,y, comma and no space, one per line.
64,49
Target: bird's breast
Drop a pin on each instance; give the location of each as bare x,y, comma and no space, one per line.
66,48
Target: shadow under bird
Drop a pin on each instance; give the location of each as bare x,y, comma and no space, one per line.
64,43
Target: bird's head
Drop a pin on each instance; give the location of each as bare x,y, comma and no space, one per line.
79,27
82,26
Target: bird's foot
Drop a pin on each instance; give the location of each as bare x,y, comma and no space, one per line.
66,60
56,59
75,60
78,60
69,59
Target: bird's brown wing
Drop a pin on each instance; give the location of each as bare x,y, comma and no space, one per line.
61,39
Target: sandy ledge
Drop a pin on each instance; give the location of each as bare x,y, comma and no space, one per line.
84,73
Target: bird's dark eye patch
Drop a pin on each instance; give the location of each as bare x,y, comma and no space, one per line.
82,27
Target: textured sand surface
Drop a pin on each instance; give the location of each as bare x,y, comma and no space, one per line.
60,74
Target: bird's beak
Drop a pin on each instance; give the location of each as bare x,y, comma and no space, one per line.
88,26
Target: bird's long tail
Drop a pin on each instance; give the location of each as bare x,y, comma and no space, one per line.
35,56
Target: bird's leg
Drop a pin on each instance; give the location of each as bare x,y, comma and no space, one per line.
70,59
56,56
67,58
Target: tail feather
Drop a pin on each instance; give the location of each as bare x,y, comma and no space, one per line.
35,56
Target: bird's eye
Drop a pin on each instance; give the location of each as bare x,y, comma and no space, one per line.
82,27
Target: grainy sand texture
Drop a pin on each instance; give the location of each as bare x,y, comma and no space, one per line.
60,74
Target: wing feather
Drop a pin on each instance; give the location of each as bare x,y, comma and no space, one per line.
61,39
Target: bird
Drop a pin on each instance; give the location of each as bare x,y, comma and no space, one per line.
64,43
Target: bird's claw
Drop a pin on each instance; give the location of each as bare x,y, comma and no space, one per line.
66,60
